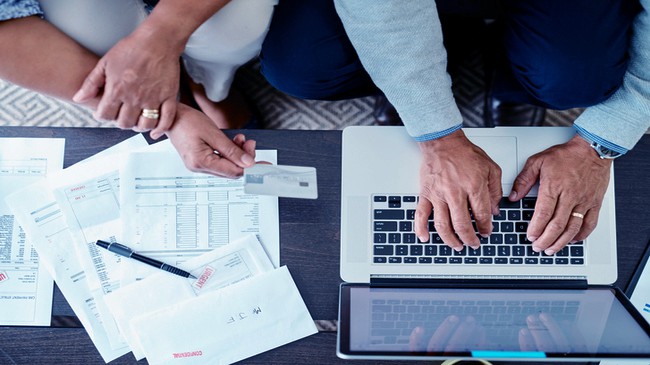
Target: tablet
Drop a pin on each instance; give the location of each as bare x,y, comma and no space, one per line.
493,324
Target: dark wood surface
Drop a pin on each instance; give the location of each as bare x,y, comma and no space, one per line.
309,236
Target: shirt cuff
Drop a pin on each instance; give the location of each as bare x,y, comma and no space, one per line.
436,135
590,137
19,9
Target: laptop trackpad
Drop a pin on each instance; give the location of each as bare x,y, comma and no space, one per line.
503,150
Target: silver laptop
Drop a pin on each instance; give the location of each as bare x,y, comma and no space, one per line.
380,176
404,299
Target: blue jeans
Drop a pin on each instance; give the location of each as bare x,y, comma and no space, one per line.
557,54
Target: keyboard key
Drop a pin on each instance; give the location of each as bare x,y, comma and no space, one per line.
394,260
440,260
561,261
387,214
408,199
383,250
488,250
445,250
416,250
410,214
424,260
507,227
384,226
500,260
528,202
485,260
501,216
510,239
380,237
455,260
410,260
546,260
514,215
527,215
408,238
521,226
405,226
401,250
496,238
430,250
394,238
506,203
471,260
379,260
504,250
516,260
380,198
394,202
577,251
577,261
531,260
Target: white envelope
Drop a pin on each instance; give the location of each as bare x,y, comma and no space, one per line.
237,261
227,325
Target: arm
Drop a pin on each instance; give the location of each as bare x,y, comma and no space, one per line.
60,74
142,71
400,46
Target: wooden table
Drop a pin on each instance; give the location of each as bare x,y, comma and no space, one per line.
309,236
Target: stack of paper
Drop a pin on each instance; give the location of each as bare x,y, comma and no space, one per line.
144,197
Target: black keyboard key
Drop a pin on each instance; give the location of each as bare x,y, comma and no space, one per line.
405,226
483,240
384,226
500,260
380,198
488,250
496,238
507,227
561,261
564,252
432,227
495,226
416,250
528,202
506,203
462,252
455,260
510,239
431,250
514,215
394,238
473,252
440,260
401,250
425,260
577,261
445,250
379,260
380,237
471,260
410,260
501,216
408,238
410,214
435,238
394,202
394,260
531,260
388,214
518,250
527,215
577,251
503,250
546,260
383,250
521,226
485,260
516,260
408,199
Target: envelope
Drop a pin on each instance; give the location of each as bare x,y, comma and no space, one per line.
227,325
237,261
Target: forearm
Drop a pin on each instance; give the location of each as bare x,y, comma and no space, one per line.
400,46
174,21
37,56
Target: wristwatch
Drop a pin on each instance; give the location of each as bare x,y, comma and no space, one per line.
604,152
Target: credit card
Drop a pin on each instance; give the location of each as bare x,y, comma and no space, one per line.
281,180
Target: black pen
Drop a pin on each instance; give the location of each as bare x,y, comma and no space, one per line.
127,252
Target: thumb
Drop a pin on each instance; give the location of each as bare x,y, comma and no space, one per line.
526,179
91,85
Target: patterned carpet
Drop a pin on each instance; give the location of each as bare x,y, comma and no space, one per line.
19,106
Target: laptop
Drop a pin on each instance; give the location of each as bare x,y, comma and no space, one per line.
404,299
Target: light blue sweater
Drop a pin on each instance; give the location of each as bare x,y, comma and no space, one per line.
400,45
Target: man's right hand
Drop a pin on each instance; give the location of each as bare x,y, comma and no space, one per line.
456,174
205,148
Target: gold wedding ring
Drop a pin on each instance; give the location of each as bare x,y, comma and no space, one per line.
151,113
577,215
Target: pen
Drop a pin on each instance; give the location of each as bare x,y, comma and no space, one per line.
127,252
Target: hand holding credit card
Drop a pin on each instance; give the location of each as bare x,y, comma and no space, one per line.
281,180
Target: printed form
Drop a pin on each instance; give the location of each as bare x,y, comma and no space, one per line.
172,214
26,288
39,212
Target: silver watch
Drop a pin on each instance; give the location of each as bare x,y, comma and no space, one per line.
604,152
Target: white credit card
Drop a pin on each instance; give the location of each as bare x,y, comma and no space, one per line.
281,180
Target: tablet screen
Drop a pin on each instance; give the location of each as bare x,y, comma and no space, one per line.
489,324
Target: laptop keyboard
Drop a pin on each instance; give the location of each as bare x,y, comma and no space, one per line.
395,242
393,320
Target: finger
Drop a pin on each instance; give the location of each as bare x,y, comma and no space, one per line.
442,222
249,147
462,223
440,337
545,208
526,340
128,117
422,213
588,225
496,191
557,226
416,339
231,151
572,228
557,334
92,84
167,116
538,331
146,123
465,331
108,108
482,208
526,179
239,140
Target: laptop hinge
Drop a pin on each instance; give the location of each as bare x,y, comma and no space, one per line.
574,283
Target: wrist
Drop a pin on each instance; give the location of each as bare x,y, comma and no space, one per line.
585,150
447,142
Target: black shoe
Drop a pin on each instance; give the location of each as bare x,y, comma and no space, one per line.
504,114
385,113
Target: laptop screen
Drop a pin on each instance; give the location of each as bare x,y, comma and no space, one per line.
491,324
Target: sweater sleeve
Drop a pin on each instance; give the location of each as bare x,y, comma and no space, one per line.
400,45
13,9
619,122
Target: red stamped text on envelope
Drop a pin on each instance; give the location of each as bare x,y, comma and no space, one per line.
178,355
3,277
205,276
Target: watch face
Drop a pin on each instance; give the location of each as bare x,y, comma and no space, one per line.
604,152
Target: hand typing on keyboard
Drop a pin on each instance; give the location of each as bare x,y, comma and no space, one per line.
455,174
572,184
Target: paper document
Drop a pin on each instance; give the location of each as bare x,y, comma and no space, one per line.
38,211
227,325
26,288
238,261
172,214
